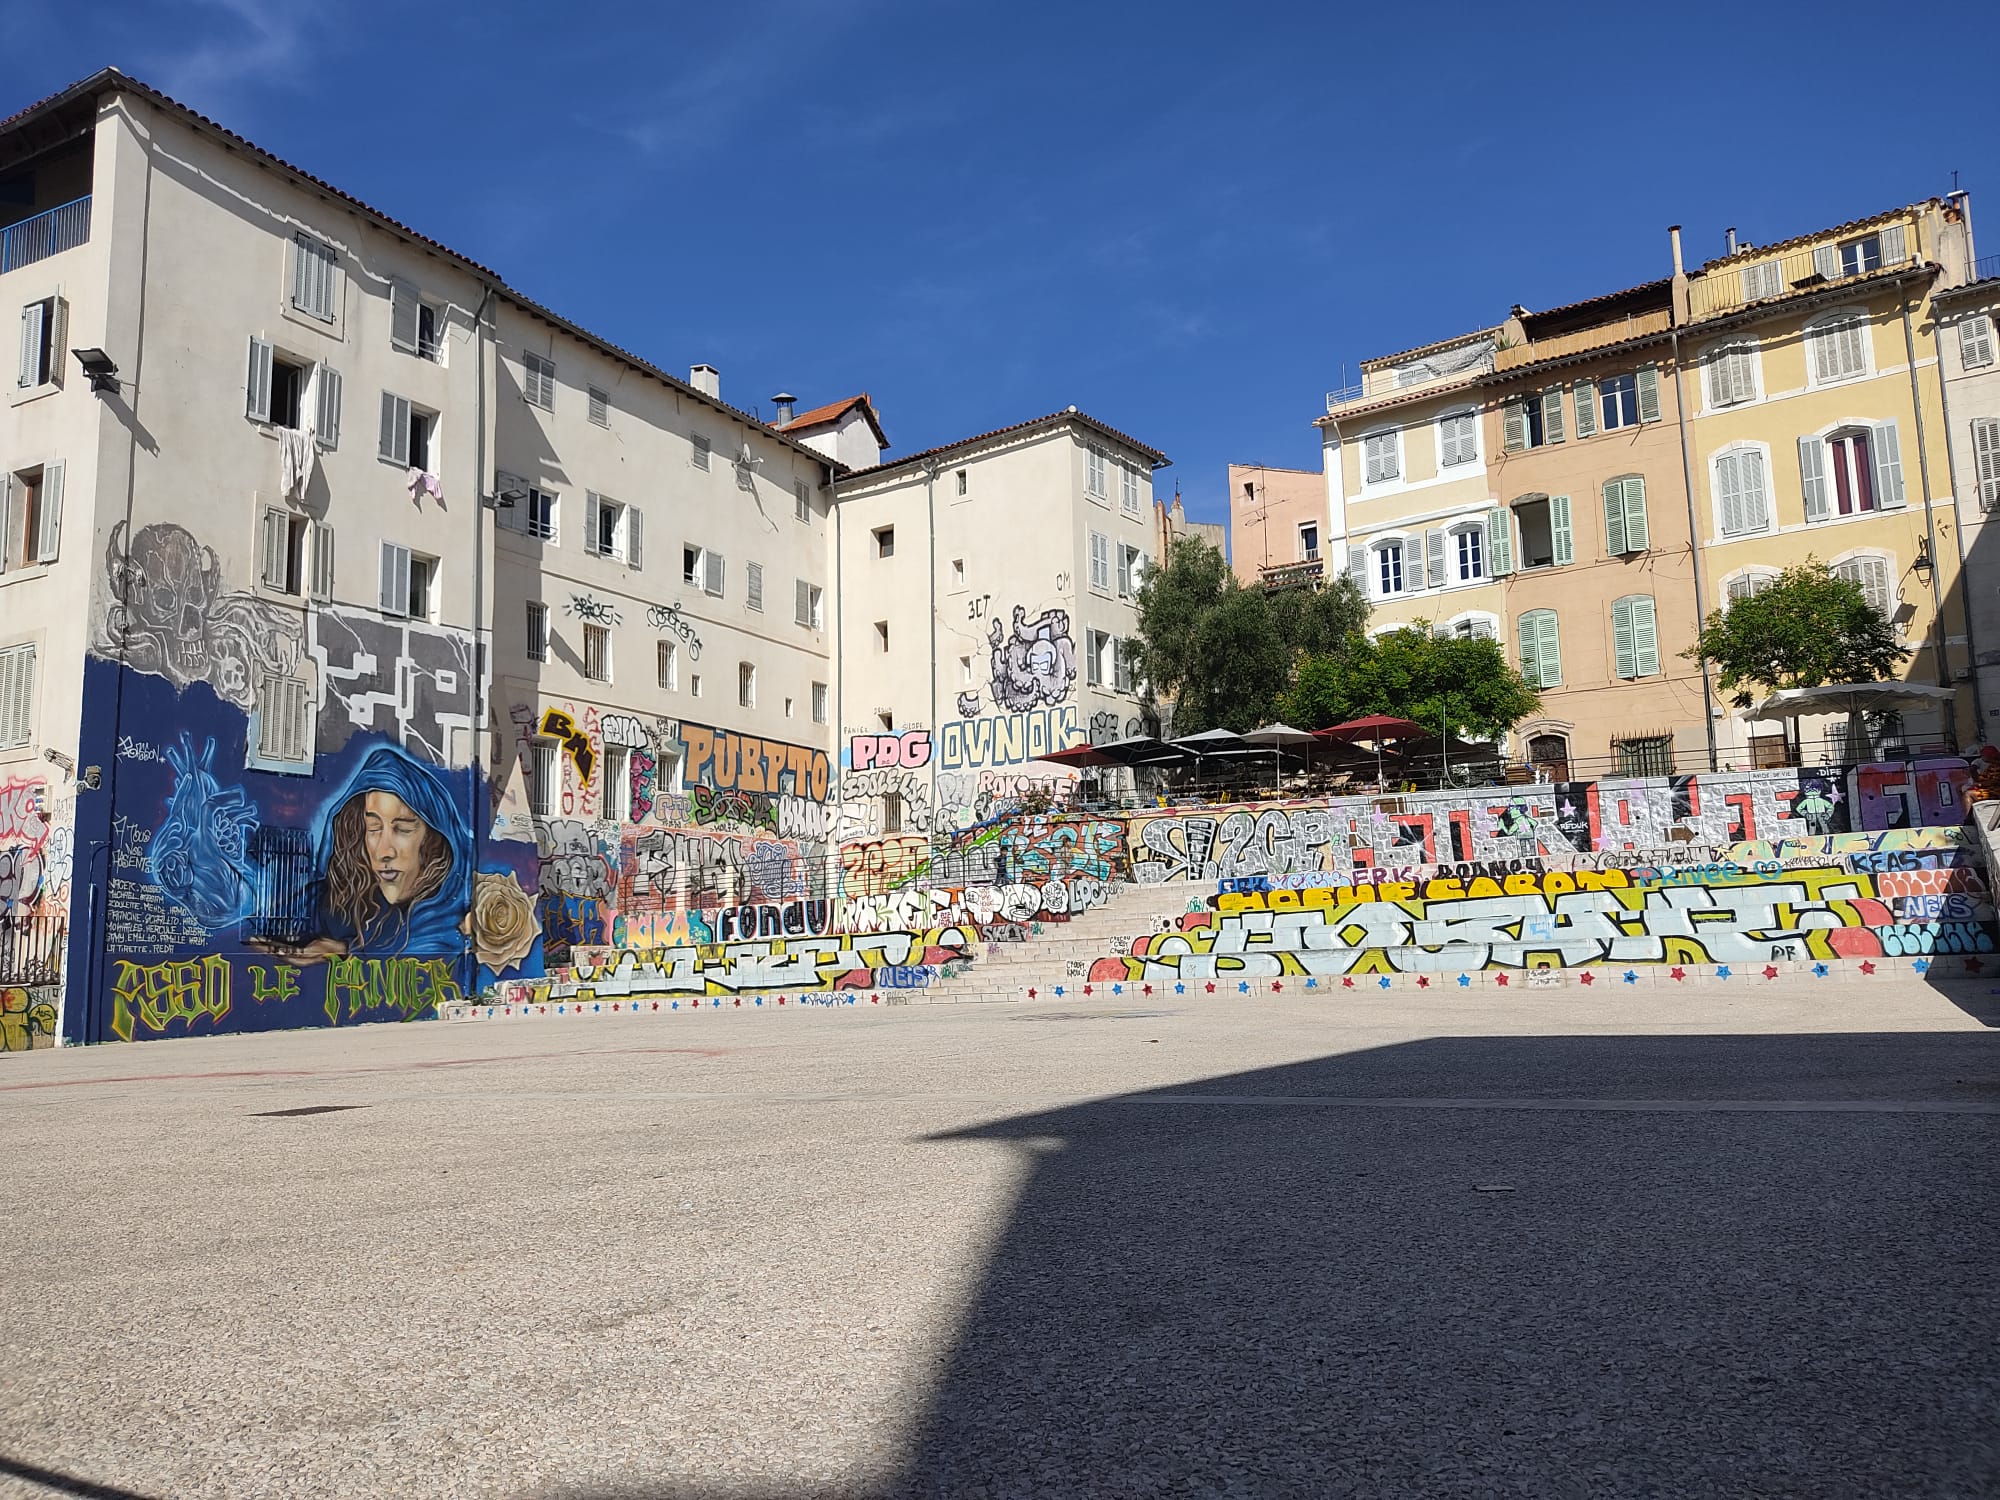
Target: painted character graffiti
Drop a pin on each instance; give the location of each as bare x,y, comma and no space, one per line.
1814,804
171,616
1035,662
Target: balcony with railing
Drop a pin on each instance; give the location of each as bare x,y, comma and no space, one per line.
1730,288
61,228
1306,571
1600,336
1986,268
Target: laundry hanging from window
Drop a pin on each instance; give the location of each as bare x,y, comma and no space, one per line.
297,453
422,482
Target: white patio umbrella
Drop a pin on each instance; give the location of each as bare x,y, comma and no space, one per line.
1855,699
1278,737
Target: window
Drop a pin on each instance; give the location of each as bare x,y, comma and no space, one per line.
17,696
958,572
1097,653
614,530
885,541
283,543
409,582
1625,529
1851,472
1548,538
312,277
802,501
38,493
962,482
1741,494
1129,568
703,569
1093,472
1533,421
702,451
1309,542
617,773
965,671
1838,347
407,433
1858,257
788,707
1975,342
694,684
1128,483
43,335
288,387
886,719
667,663
892,812
1389,568
597,652
1100,562
1618,402
423,587
1730,373
1541,649
415,326
1381,457
600,407
542,778
1470,546
1871,571
1635,640
1748,585
1549,754
753,586
322,562
808,604
1986,460
1762,281
538,631
819,702
283,718
1472,628
882,637
1652,755
1458,438
1121,666
538,383
538,514
282,391
746,684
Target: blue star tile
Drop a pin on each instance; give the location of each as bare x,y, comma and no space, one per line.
1631,977
1179,989
1722,972
1921,966
1117,989
760,999
1243,989
1383,981
1465,981
677,1005
597,1007
1819,971
1059,989
1312,984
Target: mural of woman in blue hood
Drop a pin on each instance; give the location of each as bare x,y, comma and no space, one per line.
394,857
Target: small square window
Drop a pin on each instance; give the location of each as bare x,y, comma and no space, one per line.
600,407
702,451
885,541
694,684
538,631
962,482
746,685
819,702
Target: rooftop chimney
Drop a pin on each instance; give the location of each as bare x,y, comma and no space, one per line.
1674,234
783,402
1730,240
706,379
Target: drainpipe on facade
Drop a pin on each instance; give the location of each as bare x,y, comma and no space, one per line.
836,684
1687,491
1958,536
482,663
931,466
1943,657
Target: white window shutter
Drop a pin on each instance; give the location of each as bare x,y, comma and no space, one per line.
1586,408
1562,532
58,340
1614,517
395,428
1887,451
395,579
1812,478
635,537
1552,414
1434,559
714,566
404,306
322,563
1875,584
1357,566
1649,393
1756,498
753,585
1637,538
1623,645
1499,542
511,517
277,531
48,538
326,393
257,387
32,317
1893,242
1514,427
1826,261
7,513
1975,342
593,523
1986,460
801,603
1729,494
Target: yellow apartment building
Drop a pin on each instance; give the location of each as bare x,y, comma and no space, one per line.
1812,384
1410,498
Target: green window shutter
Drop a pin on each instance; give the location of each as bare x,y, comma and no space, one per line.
1623,646
1812,478
1549,649
1499,542
1552,414
1888,455
1614,517
1636,539
1586,408
1531,648
1645,637
1561,531
1514,426
1649,393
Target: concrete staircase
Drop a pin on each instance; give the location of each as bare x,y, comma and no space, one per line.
1061,952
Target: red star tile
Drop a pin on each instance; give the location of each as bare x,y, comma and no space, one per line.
781,999
1770,971
874,999
1347,982
1086,988
738,1002
1678,972
1276,986
1423,981
1031,994
1149,989
1211,989
1501,980
1587,977
1867,967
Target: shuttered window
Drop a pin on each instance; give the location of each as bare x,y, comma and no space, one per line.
1389,568
1552,414
1562,531
405,312
17,696
1741,494
1975,342
1749,585
326,384
257,382
1093,472
1436,573
1986,459
713,567
1839,348
1888,452
1469,546
1129,489
1649,393
1872,573
1541,649
600,407
1458,438
394,598
1100,562
277,550
1761,281
1380,457
1635,638
1731,374
394,439
703,451
753,586
282,718
44,541
1586,408
44,341
1625,527
539,381
802,502
1499,542
312,277
322,563
1357,566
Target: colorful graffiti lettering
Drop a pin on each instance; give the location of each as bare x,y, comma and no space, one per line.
747,763
911,748
157,996
834,962
27,1018
405,987
1008,739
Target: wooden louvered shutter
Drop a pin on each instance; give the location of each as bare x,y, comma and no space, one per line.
48,536
1826,261
33,331
1614,517
1562,531
326,392
405,306
1893,242
801,602
1636,535
1499,542
1357,567
257,383
1986,459
1887,451
1514,426
1622,645
1586,408
7,514
395,598
1551,650
1552,414
1434,557
1975,343
593,523
635,537
395,436
277,530
714,563
1812,478
322,562
1649,393
1531,648
1645,637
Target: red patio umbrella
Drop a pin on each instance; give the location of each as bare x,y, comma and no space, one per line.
1376,727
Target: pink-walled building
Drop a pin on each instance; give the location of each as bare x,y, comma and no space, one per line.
1277,523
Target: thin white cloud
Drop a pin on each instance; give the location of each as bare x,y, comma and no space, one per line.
241,43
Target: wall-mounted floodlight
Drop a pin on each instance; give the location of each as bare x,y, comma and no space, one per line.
98,369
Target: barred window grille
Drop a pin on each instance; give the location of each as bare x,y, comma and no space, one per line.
281,864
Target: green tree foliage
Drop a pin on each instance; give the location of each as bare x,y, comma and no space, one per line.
1809,628
1222,653
1412,674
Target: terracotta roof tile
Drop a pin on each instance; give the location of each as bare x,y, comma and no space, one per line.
833,411
1071,414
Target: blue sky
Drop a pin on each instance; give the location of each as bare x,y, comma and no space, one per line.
1185,219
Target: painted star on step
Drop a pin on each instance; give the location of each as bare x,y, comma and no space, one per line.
1383,981
1501,980
1631,976
1921,966
1423,981
1587,977
1819,971
1867,967
1722,971
1180,989
1465,981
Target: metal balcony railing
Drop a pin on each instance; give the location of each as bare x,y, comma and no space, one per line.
1726,289
1340,398
1986,268
46,234
31,949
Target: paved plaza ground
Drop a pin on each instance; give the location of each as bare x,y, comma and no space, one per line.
1717,1244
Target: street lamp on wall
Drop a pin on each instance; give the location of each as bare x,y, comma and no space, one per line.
1922,565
